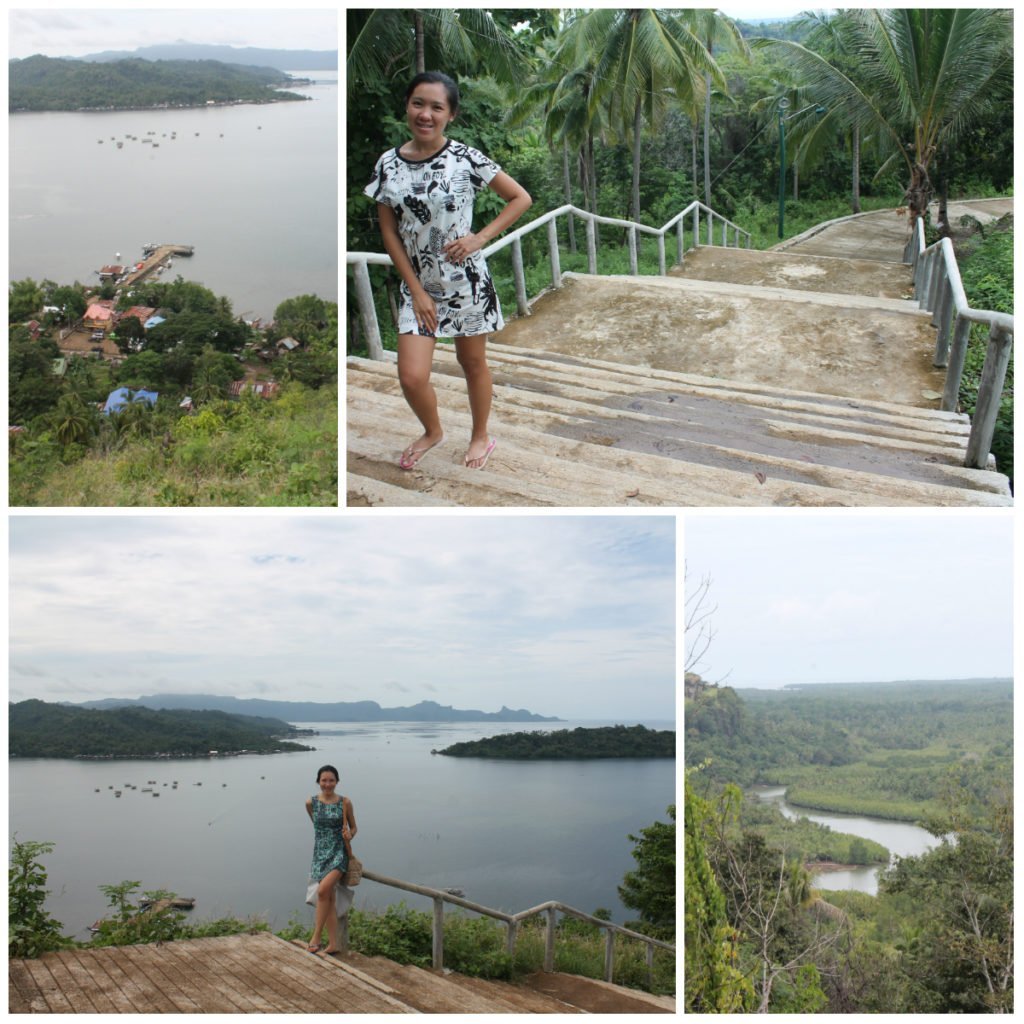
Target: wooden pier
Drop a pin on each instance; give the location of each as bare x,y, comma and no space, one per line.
155,260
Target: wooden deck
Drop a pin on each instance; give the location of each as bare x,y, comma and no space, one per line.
235,974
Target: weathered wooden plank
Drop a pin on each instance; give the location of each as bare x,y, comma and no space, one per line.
338,990
102,981
23,992
210,979
97,987
47,985
257,965
173,986
67,982
136,988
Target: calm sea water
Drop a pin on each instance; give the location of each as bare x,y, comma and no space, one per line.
510,834
253,188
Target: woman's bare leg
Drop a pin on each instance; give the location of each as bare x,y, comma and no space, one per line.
472,355
325,911
415,359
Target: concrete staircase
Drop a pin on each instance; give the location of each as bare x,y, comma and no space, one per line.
744,378
424,991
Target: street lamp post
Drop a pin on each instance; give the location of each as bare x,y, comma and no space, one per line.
783,107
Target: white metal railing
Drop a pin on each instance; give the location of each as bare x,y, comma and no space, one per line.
939,290
361,261
512,921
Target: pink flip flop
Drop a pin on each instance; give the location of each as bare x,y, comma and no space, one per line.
486,455
407,461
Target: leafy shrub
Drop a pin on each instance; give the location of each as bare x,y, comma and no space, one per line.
31,931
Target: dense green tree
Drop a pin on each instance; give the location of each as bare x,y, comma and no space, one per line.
130,334
33,388
713,983
24,298
924,76
651,887
74,422
71,302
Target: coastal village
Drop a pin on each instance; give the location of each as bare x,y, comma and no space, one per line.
95,334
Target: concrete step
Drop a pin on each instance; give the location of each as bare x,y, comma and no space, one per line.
576,434
852,346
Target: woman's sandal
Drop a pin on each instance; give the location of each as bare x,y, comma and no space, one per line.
314,947
407,461
482,459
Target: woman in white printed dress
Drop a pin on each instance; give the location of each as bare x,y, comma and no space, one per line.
424,192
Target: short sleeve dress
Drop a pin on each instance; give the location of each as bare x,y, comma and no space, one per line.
329,852
433,204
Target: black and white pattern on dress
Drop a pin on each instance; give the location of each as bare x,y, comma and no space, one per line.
433,204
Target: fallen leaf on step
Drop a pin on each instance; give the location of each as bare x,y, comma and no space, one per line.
930,395
634,493
760,477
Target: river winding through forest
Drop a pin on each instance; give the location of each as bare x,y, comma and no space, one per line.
900,837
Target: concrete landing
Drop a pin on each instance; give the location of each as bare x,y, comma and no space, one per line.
808,341
797,271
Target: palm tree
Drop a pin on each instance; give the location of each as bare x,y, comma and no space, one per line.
713,28
73,420
387,44
923,78
644,58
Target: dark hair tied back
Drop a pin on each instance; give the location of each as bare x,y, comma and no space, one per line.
328,768
436,78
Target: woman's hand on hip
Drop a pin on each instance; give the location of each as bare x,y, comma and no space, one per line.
425,310
458,249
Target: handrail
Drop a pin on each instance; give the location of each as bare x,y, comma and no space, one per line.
939,290
361,261
552,908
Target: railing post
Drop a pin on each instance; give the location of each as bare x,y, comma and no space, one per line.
591,247
680,241
633,267
368,312
556,267
696,227
438,934
945,316
510,942
938,276
725,233
549,942
343,933
650,964
661,256
928,266
990,390
711,228
955,369
522,303
609,954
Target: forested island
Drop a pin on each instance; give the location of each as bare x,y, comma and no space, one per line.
39,729
938,935
51,83
617,741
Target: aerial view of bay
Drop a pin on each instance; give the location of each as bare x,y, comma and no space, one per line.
234,833
253,187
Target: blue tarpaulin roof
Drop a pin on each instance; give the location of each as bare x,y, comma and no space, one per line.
119,398
153,321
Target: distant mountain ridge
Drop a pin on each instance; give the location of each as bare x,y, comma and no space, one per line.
310,711
283,60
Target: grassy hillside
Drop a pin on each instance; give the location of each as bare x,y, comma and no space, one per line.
252,452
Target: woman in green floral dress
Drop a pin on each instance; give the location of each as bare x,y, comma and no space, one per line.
334,824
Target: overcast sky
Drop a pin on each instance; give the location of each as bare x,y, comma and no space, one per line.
566,616
854,598
74,32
